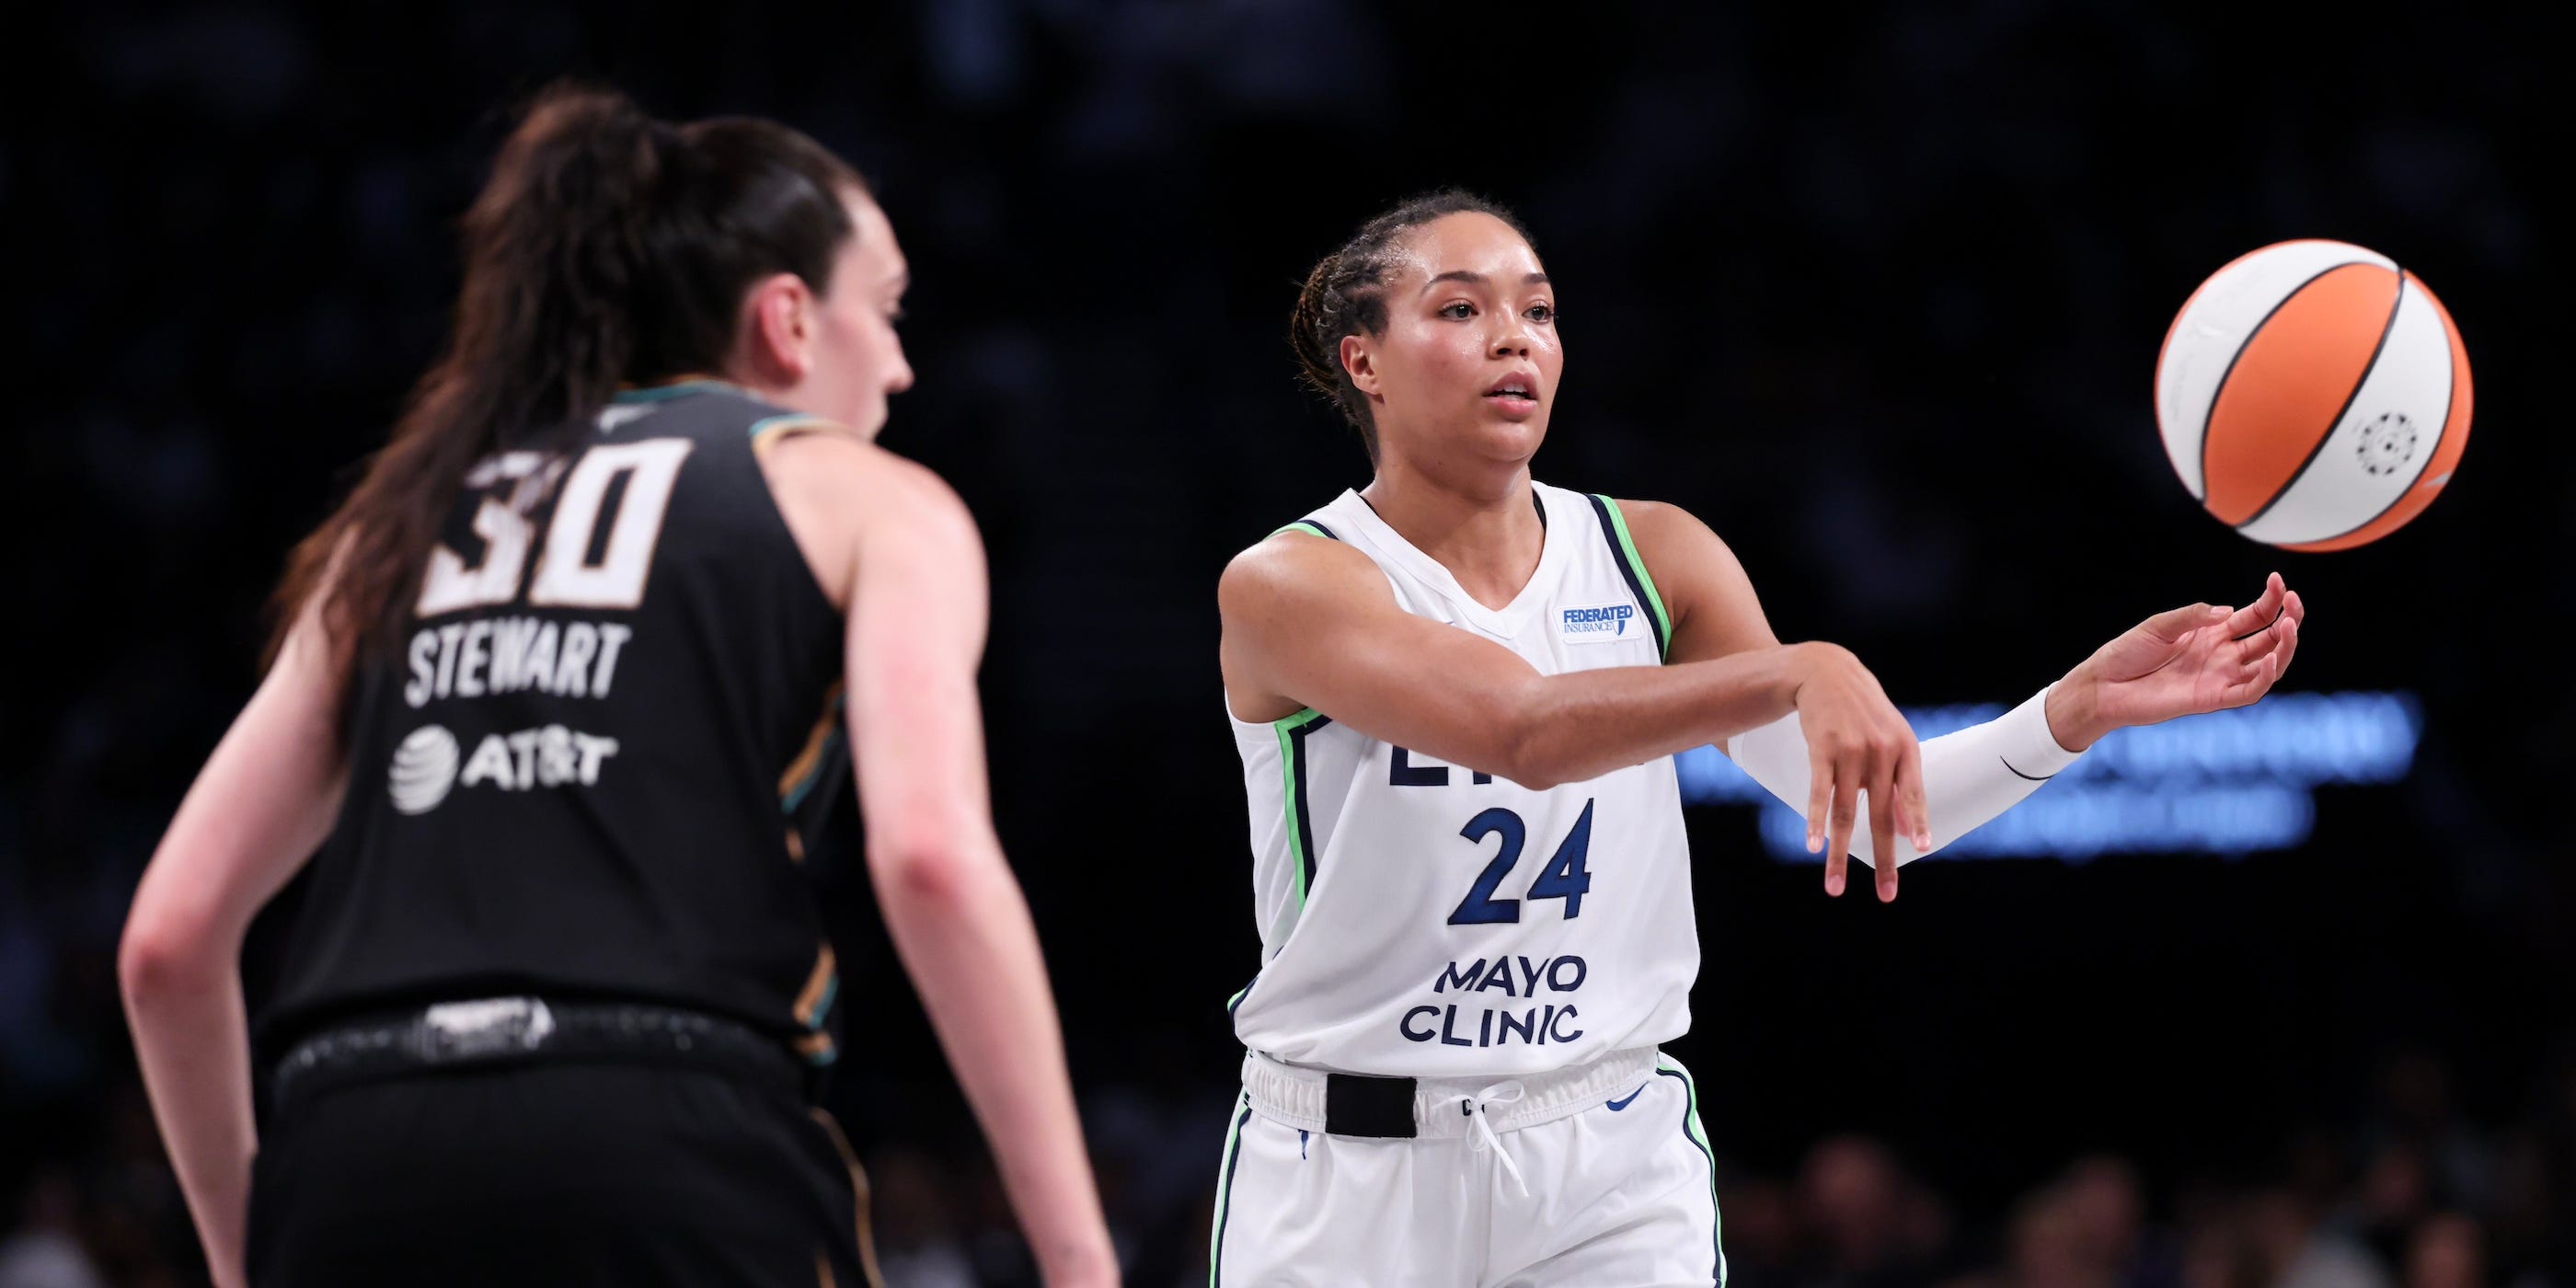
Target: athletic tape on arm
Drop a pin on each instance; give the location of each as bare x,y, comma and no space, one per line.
1969,777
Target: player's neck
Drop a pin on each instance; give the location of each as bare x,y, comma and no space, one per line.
1489,539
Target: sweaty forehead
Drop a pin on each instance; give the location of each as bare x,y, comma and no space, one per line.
1466,242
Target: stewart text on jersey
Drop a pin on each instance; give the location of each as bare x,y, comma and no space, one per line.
590,768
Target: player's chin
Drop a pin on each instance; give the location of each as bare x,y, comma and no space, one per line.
1511,434
868,418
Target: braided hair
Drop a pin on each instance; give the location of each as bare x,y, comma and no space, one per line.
1345,295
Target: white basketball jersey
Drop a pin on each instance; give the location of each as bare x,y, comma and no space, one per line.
1420,919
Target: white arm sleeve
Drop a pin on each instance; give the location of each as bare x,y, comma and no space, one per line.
1969,776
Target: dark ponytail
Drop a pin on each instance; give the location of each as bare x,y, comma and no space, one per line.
607,248
1345,295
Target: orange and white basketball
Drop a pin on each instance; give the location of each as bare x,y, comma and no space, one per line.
2313,395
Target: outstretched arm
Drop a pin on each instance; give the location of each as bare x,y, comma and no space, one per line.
265,799
2199,658
2189,660
1310,622
1969,776
954,910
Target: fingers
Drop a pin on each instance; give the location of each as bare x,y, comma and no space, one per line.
1820,797
1847,787
1917,814
2267,672
2289,634
2260,614
1882,828
1820,793
2175,623
2252,648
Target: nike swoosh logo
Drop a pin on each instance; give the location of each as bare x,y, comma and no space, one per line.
1625,1101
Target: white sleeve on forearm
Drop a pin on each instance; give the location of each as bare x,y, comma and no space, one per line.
1969,776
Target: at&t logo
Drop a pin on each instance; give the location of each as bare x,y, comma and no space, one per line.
429,763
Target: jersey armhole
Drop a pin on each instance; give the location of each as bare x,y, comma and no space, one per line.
1307,527
766,434
1632,566
769,431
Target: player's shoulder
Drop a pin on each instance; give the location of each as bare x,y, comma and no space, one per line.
1298,561
867,474
1684,558
1658,518
1664,532
837,480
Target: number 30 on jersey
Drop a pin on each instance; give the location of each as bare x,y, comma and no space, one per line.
579,566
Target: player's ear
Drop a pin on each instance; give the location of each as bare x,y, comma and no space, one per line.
1359,364
775,338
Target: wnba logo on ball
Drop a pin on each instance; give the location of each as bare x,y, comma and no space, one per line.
424,768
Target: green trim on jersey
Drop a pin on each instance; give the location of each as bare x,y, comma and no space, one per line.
676,389
1637,568
1301,847
791,420
1699,1136
1225,1184
1301,526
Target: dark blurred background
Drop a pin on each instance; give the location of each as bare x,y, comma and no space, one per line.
1878,295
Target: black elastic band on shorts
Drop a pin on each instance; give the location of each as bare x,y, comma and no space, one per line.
1355,1105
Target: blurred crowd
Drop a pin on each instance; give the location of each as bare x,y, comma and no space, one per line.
1879,296
2416,1195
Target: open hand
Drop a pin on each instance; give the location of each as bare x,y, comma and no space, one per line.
2181,663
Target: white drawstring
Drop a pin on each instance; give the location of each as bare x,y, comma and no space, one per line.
1475,1106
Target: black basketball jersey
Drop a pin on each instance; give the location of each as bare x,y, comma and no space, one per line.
586,772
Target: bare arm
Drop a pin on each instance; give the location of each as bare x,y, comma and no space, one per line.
265,799
916,634
2197,658
1311,622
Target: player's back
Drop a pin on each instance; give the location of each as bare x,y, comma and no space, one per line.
578,778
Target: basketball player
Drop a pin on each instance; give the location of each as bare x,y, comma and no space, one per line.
555,690
1456,694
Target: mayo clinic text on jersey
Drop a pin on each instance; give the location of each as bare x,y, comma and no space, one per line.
1470,1024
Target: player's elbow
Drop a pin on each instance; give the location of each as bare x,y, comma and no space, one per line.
1528,749
1531,768
927,864
160,955
919,874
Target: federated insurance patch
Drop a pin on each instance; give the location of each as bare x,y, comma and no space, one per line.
1597,624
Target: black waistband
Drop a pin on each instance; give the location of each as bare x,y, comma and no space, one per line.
501,1031
1358,1105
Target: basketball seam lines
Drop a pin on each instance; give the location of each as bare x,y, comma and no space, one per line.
2431,450
2217,391
2385,329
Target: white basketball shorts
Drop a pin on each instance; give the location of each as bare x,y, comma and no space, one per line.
1599,1176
